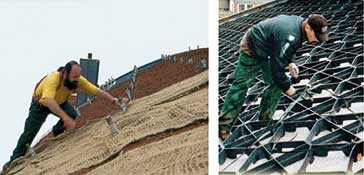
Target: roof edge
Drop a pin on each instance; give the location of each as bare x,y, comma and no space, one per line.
252,10
127,76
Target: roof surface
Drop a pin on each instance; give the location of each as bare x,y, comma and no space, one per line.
163,133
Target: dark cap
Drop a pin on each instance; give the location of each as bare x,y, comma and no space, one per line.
319,25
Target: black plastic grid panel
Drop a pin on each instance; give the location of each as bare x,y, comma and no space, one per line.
322,120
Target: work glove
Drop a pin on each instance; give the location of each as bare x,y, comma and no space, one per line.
293,70
291,91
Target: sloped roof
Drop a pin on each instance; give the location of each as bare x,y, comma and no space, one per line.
161,133
320,129
151,78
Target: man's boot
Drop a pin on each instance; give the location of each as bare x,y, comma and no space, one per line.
264,117
226,120
6,167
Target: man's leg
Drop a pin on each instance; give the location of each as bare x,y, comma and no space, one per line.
59,127
37,116
245,72
271,95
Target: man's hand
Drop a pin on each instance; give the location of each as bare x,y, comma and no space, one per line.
293,70
69,123
125,100
291,91
118,103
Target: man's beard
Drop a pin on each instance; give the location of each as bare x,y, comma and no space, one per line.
70,84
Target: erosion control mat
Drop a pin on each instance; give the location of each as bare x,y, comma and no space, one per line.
164,133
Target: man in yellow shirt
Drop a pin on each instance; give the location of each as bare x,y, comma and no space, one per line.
51,96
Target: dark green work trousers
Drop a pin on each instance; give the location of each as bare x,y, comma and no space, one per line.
244,74
37,116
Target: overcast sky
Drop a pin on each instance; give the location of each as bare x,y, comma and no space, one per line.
38,36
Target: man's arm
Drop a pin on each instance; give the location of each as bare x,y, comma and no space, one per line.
283,56
92,90
278,74
54,107
106,96
109,97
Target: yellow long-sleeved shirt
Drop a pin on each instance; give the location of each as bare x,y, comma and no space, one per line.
52,87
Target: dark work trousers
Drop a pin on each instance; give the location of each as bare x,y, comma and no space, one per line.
244,74
37,116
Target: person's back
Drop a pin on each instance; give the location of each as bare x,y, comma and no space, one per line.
268,37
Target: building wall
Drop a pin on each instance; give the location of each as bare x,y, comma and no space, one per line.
241,6
230,7
225,8
224,4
